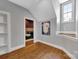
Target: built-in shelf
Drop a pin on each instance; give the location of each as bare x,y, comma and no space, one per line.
3,23
29,29
4,32
69,37
1,45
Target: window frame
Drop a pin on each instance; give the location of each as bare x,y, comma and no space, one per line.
62,11
74,15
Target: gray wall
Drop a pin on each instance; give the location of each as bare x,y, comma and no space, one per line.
62,41
68,27
17,21
17,35
68,43
50,37
56,5
43,11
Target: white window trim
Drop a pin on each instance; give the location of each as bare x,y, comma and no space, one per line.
73,15
61,12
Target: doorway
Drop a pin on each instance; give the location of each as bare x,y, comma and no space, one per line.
29,31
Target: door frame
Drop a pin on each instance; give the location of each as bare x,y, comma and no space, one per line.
25,31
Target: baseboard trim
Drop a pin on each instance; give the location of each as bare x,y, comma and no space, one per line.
61,48
13,49
3,53
28,40
17,47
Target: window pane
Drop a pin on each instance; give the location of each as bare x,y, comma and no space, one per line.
66,19
65,8
70,15
69,7
65,15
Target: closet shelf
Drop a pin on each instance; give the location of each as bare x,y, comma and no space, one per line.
3,23
1,45
3,33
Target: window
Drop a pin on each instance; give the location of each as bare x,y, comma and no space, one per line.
68,16
67,12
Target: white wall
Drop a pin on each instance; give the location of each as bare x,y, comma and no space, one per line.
17,14
56,5
43,11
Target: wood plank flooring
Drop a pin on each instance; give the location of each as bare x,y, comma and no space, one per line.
29,42
36,51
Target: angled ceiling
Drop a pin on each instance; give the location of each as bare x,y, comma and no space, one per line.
40,9
62,1
26,3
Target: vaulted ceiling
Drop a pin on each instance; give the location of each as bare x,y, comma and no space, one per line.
40,9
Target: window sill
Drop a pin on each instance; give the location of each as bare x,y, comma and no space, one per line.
67,21
71,35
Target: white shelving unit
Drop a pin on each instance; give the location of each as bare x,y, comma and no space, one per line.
4,32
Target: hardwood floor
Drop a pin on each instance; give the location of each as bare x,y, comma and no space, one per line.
36,51
29,42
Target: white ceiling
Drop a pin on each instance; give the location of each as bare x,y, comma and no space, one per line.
30,3
26,3
62,1
40,9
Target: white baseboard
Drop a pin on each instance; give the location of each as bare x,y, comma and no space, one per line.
3,52
28,40
61,48
17,47
12,49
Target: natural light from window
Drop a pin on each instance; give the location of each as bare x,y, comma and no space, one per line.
67,12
